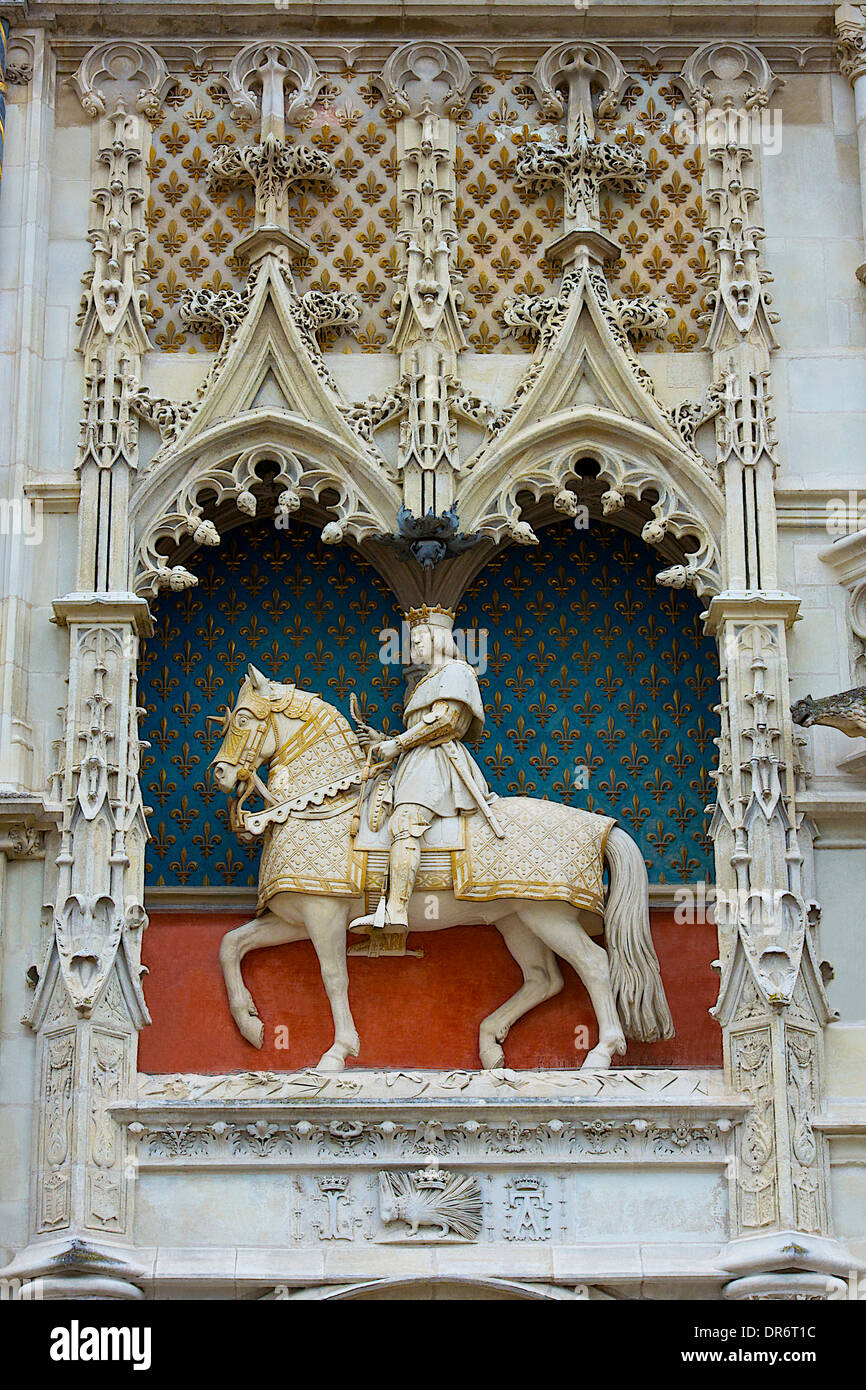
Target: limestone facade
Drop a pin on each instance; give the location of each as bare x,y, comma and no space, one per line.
435,261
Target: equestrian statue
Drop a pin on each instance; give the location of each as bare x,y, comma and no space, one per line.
362,832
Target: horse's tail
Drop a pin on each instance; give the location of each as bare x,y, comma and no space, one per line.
634,968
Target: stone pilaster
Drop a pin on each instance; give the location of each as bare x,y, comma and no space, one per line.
88,1004
771,1006
426,85
30,74
851,54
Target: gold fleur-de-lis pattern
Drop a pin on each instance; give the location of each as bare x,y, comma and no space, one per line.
351,226
599,687
660,229
299,611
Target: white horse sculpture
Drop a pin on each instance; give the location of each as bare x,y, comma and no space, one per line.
316,768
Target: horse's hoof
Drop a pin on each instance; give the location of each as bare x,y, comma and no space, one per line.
597,1060
492,1056
252,1028
332,1061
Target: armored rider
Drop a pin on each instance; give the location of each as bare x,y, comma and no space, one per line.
434,774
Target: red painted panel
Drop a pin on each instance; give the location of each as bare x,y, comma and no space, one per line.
410,1013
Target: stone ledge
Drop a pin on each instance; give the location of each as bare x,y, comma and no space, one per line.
629,1085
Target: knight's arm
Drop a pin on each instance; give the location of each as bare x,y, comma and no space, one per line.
443,720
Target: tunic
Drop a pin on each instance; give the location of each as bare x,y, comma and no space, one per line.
425,775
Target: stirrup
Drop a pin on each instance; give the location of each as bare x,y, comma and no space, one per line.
372,921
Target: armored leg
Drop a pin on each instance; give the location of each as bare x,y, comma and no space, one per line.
407,826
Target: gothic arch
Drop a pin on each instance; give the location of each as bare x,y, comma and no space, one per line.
223,462
633,459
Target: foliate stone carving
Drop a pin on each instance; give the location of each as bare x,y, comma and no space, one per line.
426,85
20,57
426,77
642,319
582,169
121,75
682,1131
688,416
25,841
106,1150
752,1074
584,164
56,1137
287,79
225,308
851,41
431,1202
272,169
316,311
169,417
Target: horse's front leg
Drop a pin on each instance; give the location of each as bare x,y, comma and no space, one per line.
267,930
326,920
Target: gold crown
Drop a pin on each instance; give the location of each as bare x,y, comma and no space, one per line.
431,615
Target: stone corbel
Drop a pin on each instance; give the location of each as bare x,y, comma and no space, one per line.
20,61
847,558
119,74
25,820
271,68
851,56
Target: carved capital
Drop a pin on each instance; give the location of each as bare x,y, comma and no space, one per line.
851,41
122,76
727,75
579,69
425,79
274,69
797,1288
20,59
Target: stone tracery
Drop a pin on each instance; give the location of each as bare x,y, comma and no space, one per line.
599,402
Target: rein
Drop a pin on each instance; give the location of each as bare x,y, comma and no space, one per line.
243,747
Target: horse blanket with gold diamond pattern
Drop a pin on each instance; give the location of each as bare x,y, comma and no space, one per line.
550,852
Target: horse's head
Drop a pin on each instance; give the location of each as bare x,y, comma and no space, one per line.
263,719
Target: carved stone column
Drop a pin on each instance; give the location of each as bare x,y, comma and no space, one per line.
24,251
771,1005
851,53
426,85
88,1004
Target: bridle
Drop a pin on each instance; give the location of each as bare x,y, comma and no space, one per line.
242,748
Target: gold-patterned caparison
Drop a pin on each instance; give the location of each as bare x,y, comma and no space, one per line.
549,852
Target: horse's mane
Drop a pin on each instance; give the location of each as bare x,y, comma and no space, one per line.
336,718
